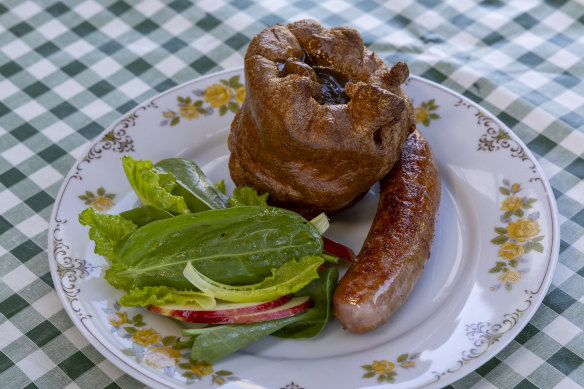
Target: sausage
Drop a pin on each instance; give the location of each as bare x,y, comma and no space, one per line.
398,243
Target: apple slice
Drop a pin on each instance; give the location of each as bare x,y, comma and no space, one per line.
293,307
194,313
337,249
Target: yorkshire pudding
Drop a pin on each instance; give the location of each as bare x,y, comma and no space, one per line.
323,118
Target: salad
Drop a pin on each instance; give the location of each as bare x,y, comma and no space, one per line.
238,269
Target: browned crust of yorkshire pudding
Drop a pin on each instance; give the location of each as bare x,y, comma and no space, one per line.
309,157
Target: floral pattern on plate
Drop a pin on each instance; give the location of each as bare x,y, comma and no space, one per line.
101,200
166,353
227,95
385,371
519,237
424,112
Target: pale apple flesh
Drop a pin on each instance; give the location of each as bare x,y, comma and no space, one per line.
293,307
284,306
193,312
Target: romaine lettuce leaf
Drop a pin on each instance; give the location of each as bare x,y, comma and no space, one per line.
105,230
153,186
212,344
235,246
160,295
220,186
321,291
244,195
145,214
288,278
198,191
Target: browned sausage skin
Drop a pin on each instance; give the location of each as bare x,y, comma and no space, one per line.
398,244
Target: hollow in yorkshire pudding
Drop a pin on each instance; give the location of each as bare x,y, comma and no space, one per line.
323,118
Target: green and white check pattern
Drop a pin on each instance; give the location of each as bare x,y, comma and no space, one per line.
69,69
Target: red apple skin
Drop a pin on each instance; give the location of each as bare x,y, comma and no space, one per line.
337,249
293,307
191,314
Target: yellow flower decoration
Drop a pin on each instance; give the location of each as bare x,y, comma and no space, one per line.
102,203
511,250
202,368
511,203
118,319
240,94
217,95
146,337
189,111
168,114
511,276
523,230
160,357
408,364
422,113
101,200
382,367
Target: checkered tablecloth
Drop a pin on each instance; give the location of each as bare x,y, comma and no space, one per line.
68,69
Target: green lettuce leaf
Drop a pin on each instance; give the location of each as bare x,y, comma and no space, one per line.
244,195
220,186
321,291
235,246
145,214
212,344
198,191
160,295
153,186
288,278
106,230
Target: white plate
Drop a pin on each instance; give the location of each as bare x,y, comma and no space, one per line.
497,212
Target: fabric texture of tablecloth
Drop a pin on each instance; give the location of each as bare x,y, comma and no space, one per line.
68,69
